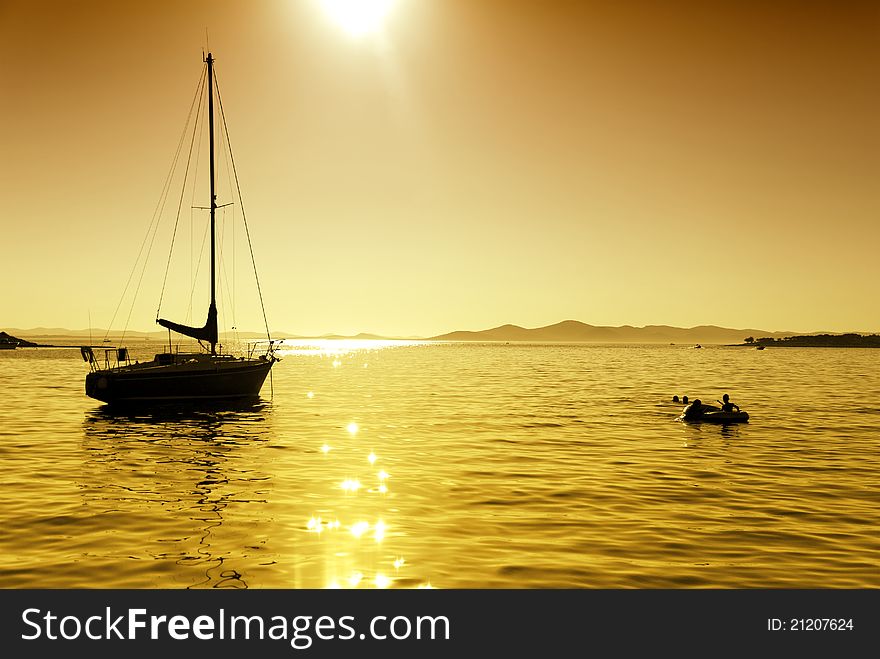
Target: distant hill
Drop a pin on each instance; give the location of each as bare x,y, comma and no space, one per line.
573,331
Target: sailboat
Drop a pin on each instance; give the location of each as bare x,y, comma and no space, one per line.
175,377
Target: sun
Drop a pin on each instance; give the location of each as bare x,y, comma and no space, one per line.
358,17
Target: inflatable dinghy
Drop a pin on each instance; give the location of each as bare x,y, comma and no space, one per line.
713,414
723,417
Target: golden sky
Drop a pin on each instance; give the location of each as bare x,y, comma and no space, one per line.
470,163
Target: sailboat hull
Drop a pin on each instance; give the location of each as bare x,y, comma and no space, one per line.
194,380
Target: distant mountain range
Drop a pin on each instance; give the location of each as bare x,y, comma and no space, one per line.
568,331
573,331
50,336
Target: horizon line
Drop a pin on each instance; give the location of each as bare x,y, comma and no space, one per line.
48,331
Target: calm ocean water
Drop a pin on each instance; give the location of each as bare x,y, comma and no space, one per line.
454,465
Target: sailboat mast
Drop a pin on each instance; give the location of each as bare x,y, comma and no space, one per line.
212,311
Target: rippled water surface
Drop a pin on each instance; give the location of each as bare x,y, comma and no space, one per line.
454,465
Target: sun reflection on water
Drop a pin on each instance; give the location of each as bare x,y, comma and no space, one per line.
350,485
352,523
359,528
341,347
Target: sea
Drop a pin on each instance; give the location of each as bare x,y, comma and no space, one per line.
403,464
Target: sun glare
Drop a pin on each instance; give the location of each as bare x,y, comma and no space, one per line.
358,17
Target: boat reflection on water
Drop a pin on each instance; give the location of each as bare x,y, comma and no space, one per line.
710,431
180,485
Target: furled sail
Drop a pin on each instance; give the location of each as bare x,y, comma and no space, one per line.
207,333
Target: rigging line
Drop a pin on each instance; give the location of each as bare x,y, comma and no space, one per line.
221,289
198,266
164,201
192,275
232,226
223,279
177,219
241,201
150,229
223,239
226,288
157,212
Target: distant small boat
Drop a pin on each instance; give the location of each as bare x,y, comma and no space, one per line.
698,346
759,348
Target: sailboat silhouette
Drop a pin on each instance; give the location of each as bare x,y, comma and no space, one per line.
206,376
